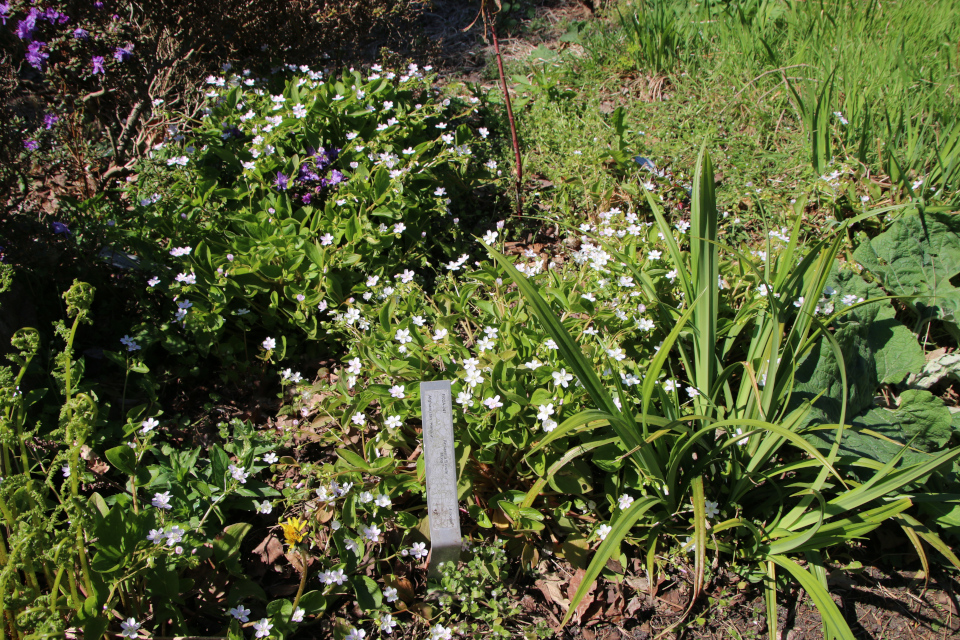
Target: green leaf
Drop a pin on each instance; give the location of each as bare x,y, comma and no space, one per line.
226,548
875,346
368,593
918,256
123,458
833,622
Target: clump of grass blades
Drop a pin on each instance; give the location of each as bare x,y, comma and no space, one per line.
745,435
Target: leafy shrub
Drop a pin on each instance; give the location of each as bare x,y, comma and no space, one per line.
282,200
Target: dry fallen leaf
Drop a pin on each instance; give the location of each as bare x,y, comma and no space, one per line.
550,587
587,599
270,549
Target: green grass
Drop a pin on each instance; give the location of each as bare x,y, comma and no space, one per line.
762,82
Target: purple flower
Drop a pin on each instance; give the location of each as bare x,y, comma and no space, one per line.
281,181
26,26
97,62
31,145
123,54
49,120
35,55
335,178
80,33
52,15
306,198
4,9
59,227
98,4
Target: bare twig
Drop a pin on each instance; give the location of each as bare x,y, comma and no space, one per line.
506,98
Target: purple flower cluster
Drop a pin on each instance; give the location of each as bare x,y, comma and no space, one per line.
4,11
31,145
321,160
36,55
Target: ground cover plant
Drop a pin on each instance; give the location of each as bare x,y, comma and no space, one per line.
711,351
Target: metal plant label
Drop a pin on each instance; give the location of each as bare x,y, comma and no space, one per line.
436,405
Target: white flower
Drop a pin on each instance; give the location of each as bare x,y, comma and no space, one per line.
418,550
162,500
265,507
545,411
390,593
440,335
387,623
149,425
372,281
485,344
393,422
354,366
742,441
549,425
473,378
440,632
603,531
550,344
669,384
240,613
407,275
672,275
464,397
654,254
645,324
490,237
616,353
533,364
418,320
269,344
713,510
352,546
154,281
66,470
356,634
155,536
625,501
403,336
493,403
383,501
326,239
263,628
484,132
129,628
562,377
399,227
371,533
298,615
396,391
692,392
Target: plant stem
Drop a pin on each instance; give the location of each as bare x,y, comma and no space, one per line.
506,99
303,581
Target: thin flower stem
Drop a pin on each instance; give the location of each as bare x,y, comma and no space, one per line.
303,581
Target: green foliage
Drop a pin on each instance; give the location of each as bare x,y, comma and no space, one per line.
288,200
916,259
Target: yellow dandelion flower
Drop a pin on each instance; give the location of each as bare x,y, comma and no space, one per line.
293,530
